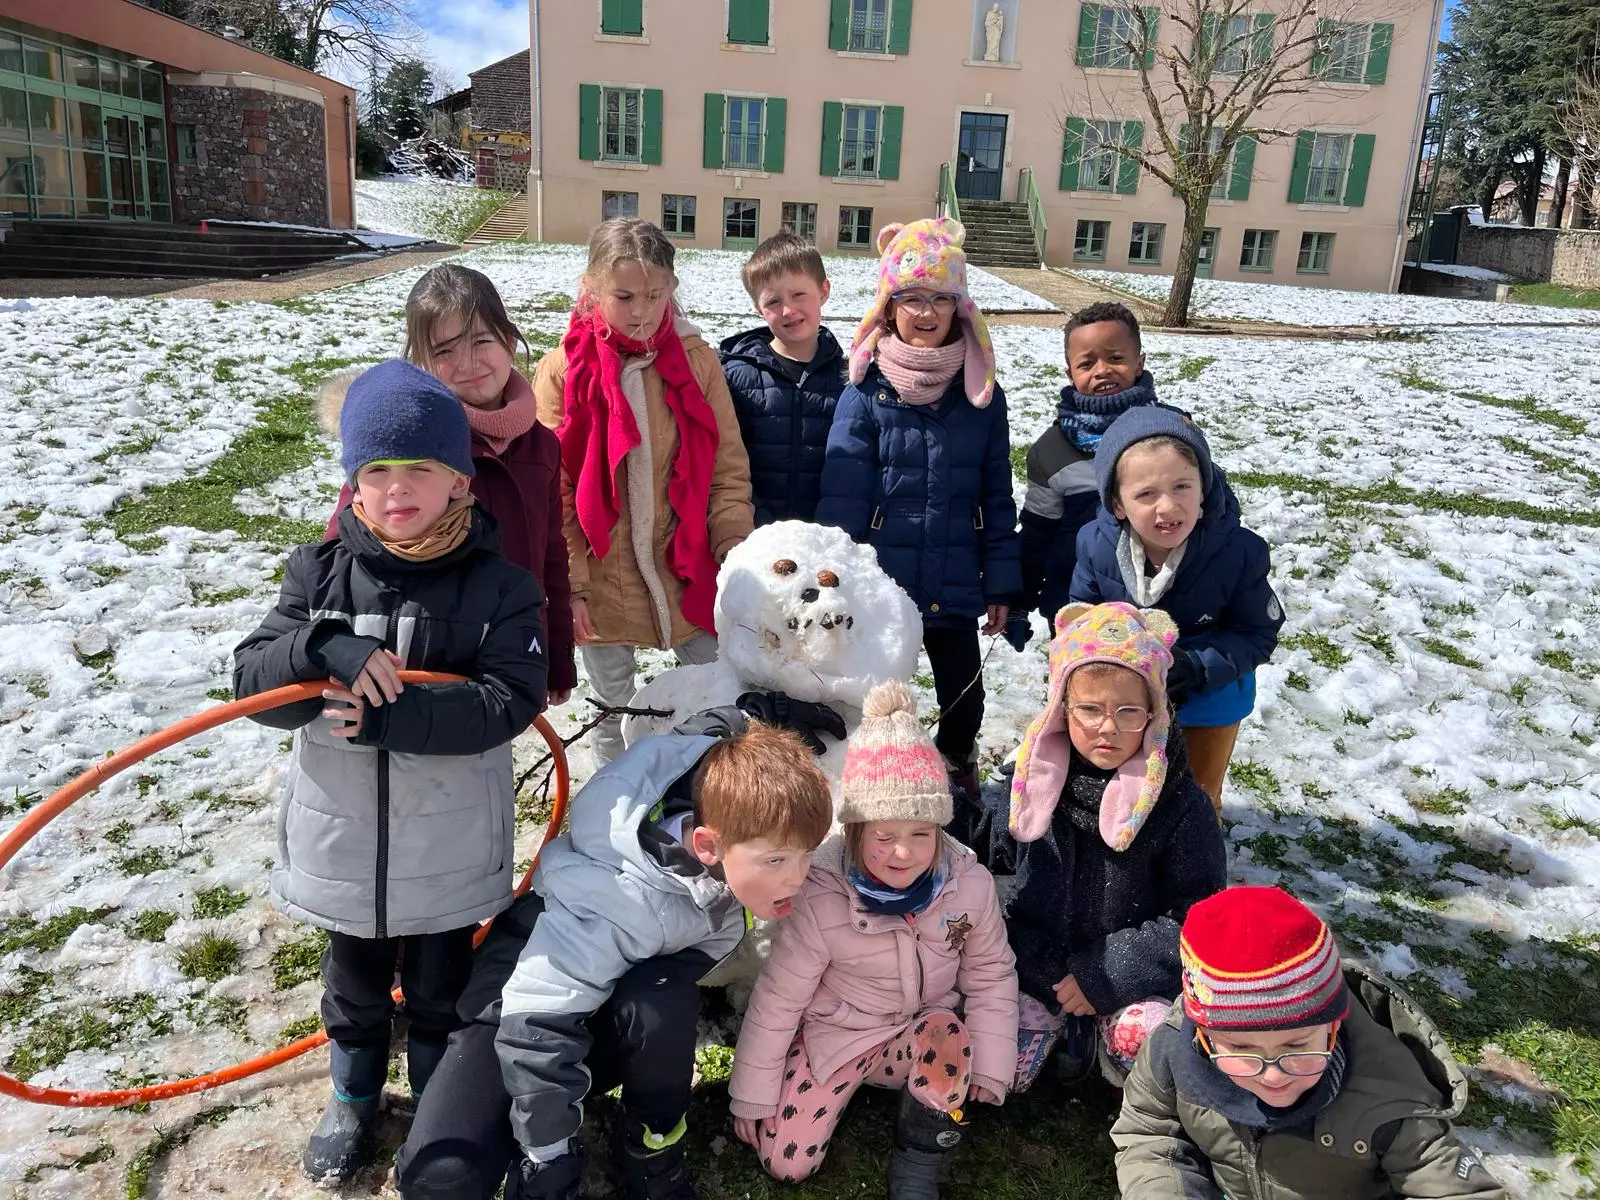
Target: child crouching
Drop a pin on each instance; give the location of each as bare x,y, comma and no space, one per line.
897,926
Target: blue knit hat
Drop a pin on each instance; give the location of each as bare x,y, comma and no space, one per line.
398,412
1138,424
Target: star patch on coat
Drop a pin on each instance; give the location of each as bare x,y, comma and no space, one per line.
956,930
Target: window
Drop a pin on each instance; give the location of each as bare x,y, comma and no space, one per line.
741,223
1315,251
1089,243
1256,253
1346,58
10,52
855,228
618,204
1108,35
1219,189
743,126
1330,160
82,69
1231,57
41,61
1145,244
677,215
621,123
1113,33
869,26
858,153
747,22
801,220
622,18
14,112
1097,169
49,117
183,138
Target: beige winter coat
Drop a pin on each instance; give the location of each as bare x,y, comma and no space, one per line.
633,598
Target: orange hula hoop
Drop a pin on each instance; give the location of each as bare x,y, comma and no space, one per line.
42,814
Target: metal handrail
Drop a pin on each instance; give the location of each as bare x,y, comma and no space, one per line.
1028,193
948,203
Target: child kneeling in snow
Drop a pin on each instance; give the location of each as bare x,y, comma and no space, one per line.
896,928
1111,841
397,823
1284,1075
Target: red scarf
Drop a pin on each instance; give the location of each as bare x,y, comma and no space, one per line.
599,429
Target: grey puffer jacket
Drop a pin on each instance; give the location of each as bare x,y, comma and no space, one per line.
407,827
617,888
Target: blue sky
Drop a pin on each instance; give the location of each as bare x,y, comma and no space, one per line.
463,35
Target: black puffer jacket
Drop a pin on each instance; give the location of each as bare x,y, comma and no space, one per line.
1108,919
783,419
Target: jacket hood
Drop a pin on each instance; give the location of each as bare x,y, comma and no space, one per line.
330,400
1219,517
755,346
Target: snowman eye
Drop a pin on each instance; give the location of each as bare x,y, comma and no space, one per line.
827,578
784,566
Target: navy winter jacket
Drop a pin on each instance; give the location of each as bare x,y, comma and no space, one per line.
929,488
1227,614
1061,499
784,421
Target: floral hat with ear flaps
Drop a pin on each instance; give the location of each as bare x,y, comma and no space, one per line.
1117,633
927,254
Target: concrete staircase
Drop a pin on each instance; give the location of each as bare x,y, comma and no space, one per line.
509,223
141,250
998,234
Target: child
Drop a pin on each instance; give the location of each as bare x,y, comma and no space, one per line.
1105,369
785,379
897,927
397,823
1284,1076
1111,841
919,467
590,980
457,329
655,485
1168,536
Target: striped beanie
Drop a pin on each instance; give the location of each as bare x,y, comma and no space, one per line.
1257,958
892,772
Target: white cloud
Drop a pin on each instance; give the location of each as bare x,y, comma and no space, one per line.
463,35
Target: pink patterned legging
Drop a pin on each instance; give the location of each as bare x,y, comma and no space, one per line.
932,1057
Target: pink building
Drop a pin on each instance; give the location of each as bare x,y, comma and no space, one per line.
724,120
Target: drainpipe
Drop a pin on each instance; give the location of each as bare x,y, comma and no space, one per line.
538,133
349,163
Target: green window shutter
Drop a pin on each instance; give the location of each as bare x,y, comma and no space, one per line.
1152,29
611,16
1355,184
1128,168
756,28
894,123
1183,154
1088,24
1244,163
1071,152
624,18
588,121
711,157
1209,25
1378,53
1300,174
900,27
1319,60
777,129
650,143
832,131
839,27
1262,40
633,16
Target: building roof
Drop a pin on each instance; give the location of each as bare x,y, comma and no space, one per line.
520,54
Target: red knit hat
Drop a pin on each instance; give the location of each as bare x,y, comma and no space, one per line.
1257,958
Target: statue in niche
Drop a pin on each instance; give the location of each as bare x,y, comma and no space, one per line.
994,24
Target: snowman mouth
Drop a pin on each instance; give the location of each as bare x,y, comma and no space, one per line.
826,621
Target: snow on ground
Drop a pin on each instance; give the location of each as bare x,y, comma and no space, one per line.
1320,307
1422,764
426,208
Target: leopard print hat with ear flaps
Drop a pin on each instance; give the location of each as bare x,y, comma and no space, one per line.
927,255
1118,633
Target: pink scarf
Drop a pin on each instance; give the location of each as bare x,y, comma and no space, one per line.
919,375
518,413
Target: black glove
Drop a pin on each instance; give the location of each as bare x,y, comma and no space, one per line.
554,1180
1018,631
799,716
1185,677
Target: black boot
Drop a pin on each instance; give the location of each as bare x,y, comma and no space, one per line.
558,1179
1076,1052
424,1053
652,1167
339,1146
923,1136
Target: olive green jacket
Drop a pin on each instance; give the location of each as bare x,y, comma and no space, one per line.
1385,1134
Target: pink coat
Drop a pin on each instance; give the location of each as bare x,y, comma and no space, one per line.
855,979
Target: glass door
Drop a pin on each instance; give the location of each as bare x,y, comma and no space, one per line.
980,155
120,165
1208,254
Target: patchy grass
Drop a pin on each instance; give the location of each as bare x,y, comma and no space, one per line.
1259,779
212,958
1191,369
218,902
1464,504
1447,802
1450,652
1532,409
151,925
136,1182
294,962
1324,651
302,1028
1554,295
28,933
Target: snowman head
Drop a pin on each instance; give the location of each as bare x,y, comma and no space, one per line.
806,610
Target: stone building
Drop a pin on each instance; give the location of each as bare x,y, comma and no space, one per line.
495,116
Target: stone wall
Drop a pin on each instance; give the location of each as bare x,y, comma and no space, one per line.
502,95
261,155
1569,257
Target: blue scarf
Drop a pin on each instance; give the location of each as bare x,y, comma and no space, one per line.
879,897
1084,419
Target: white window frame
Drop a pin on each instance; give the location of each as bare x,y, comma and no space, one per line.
1160,243
859,141
1349,47
1266,240
728,101
622,92
790,213
1088,255
1098,151
1323,245
861,23
1237,50
1319,175
856,208
1113,32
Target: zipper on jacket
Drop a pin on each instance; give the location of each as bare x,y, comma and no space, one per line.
795,424
380,902
1253,1163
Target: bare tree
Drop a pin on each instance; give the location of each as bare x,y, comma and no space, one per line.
1579,118
1216,91
312,33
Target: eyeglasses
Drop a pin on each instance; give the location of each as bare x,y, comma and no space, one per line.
941,302
1130,718
1248,1066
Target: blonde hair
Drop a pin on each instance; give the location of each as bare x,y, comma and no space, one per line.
764,783
626,239
782,254
855,831
1103,670
450,290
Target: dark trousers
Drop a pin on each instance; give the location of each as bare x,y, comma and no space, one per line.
358,974
461,1144
956,662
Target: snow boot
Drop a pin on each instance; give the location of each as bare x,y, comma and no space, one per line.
558,1179
340,1144
652,1163
923,1136
423,1055
963,776
1077,1051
